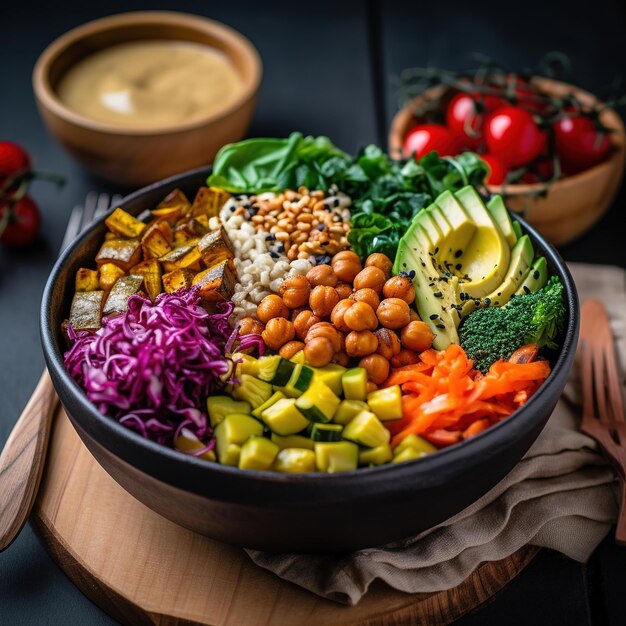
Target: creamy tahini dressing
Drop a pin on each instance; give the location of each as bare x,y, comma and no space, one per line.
151,84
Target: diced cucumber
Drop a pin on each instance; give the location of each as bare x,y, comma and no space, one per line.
231,433
267,367
336,456
318,403
258,453
354,383
367,430
252,390
295,461
275,397
375,456
386,403
189,443
292,441
331,375
349,409
416,443
246,364
326,432
219,407
299,381
284,418
408,454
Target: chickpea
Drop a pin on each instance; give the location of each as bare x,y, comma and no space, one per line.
328,331
318,352
372,277
344,290
404,357
304,321
360,316
366,295
381,261
393,313
377,367
250,326
291,348
388,343
322,300
399,287
346,265
341,358
417,336
322,275
361,343
278,331
295,291
338,313
270,307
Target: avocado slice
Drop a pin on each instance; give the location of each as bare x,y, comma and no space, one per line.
460,222
536,278
501,216
517,228
486,258
522,256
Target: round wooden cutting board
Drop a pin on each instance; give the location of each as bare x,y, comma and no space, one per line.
143,569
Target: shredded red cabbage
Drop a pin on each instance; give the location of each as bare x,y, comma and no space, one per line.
153,367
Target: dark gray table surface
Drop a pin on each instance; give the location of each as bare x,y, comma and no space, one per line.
329,68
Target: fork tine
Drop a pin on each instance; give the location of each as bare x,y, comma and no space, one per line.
102,205
91,202
73,226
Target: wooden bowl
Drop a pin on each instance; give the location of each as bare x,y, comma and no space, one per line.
132,157
314,512
573,204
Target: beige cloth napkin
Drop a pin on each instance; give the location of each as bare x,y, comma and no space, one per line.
562,495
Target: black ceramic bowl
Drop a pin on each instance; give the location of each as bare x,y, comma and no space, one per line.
305,512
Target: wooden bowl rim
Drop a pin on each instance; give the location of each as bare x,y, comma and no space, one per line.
232,38
616,158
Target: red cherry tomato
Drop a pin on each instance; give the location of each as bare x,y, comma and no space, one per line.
497,173
23,225
465,116
579,144
425,138
13,159
512,135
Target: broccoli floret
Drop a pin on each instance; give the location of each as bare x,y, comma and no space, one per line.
495,333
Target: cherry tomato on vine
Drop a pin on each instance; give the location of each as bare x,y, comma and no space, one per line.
465,116
512,135
498,171
23,225
425,138
580,144
13,159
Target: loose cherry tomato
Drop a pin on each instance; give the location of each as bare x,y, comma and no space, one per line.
497,173
465,116
425,138
579,144
23,225
13,160
512,135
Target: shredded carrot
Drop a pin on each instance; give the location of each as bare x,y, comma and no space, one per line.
445,399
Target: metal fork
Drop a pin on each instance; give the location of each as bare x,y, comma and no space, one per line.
603,408
22,459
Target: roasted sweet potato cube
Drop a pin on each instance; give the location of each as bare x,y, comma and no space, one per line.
208,201
169,215
86,280
123,252
124,224
109,275
177,279
191,260
182,236
176,199
171,259
216,283
151,272
86,310
154,243
216,247
124,288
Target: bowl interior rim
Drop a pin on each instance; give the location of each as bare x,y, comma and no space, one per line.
382,474
48,98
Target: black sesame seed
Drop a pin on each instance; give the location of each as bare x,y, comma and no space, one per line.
526,289
442,326
536,274
423,264
404,265
437,250
273,254
487,301
438,294
270,237
499,293
458,267
412,274
280,247
336,202
477,302
458,253
434,316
